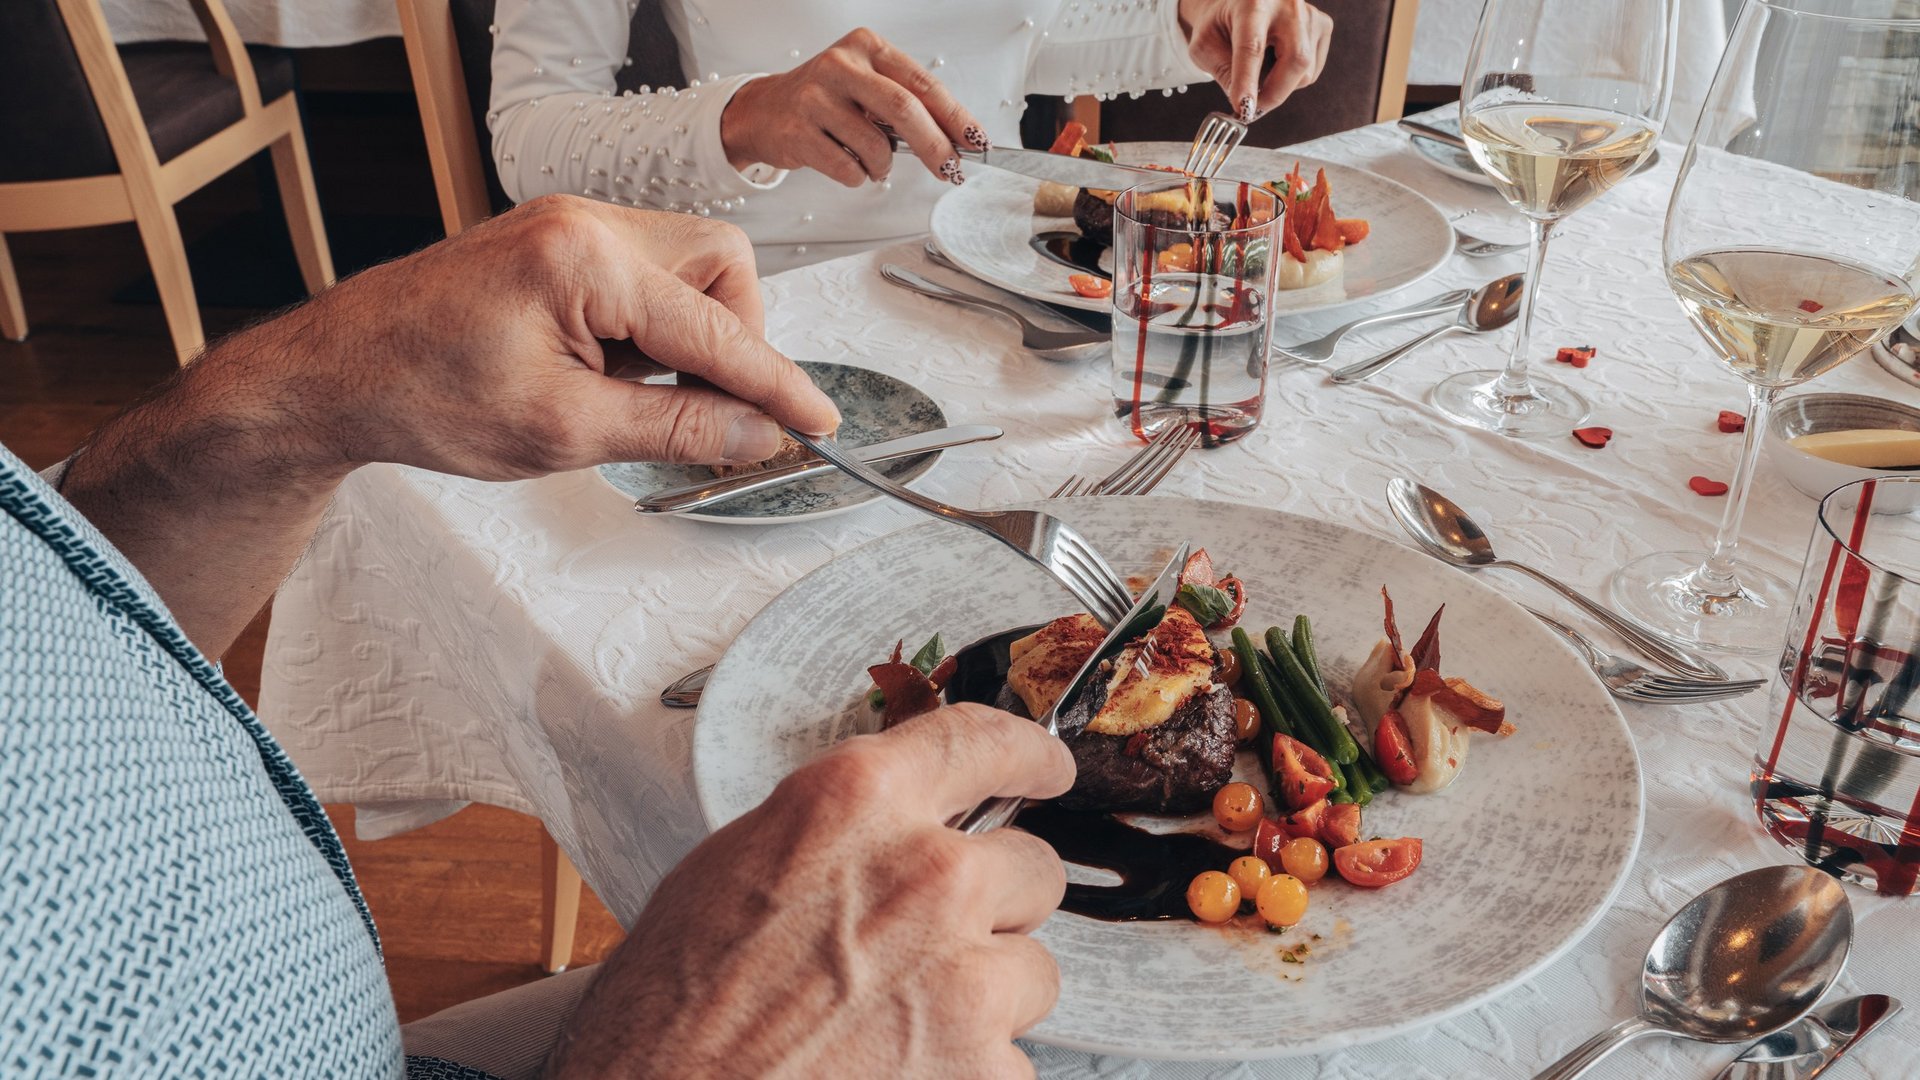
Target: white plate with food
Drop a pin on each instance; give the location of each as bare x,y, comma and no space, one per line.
874,407
1520,853
992,228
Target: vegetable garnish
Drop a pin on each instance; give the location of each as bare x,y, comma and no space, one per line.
1731,422
1311,224
1377,862
1595,437
1703,486
1811,306
1577,355
1093,288
1214,602
905,689
1209,604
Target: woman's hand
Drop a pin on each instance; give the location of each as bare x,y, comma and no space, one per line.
821,115
1230,38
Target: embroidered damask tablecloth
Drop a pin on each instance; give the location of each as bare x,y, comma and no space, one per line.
453,640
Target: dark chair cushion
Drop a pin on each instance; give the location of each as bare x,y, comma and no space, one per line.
185,100
1346,96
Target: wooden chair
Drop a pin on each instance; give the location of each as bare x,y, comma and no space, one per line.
99,135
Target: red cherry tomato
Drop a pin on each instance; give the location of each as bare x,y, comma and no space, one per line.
1341,826
1377,862
1306,821
1268,838
1093,288
1233,587
1393,749
1300,774
1199,569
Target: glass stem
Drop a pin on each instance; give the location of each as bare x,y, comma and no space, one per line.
1513,381
1717,576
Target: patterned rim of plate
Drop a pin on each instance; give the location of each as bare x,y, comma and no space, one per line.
873,406
1562,797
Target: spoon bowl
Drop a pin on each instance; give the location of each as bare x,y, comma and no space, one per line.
1740,961
1490,307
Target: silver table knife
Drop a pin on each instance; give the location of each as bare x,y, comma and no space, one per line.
1803,1049
695,496
1142,617
1046,165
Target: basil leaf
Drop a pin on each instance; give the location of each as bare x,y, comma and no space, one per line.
1208,604
929,656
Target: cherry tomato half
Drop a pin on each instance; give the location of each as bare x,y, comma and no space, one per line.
1378,862
1093,288
1341,826
1393,749
1301,776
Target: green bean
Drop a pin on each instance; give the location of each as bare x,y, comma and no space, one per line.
1304,696
1309,658
1253,680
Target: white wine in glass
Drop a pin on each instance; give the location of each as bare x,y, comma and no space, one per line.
1792,241
1562,100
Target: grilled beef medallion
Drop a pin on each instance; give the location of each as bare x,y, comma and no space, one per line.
1173,208
1160,739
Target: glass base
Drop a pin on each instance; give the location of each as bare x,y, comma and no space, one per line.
1668,594
1473,399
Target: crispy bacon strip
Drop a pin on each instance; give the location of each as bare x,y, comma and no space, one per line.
907,692
1462,701
1393,630
1426,651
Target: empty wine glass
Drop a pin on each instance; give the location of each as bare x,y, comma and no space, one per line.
1562,100
1791,243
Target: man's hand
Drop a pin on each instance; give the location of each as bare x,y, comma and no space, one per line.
487,355
1230,39
841,929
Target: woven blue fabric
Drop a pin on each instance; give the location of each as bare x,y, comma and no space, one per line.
173,902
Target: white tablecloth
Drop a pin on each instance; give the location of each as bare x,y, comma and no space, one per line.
448,639
295,24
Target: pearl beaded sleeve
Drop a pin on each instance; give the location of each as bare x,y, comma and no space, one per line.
557,126
1111,47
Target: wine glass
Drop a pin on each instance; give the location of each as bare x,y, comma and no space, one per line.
1562,100
1792,241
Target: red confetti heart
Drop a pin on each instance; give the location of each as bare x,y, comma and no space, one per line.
1595,437
1811,306
1577,355
1731,422
1703,486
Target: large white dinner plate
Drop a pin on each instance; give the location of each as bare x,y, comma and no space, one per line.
986,226
1522,853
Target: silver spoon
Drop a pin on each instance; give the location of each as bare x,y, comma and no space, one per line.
1320,349
1444,531
1743,959
1491,307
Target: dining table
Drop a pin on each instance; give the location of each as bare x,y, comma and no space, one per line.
446,640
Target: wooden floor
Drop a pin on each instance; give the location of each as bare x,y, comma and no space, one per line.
457,903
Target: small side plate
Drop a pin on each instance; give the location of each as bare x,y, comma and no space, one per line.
873,406
1451,160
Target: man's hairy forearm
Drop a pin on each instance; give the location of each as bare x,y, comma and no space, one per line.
213,484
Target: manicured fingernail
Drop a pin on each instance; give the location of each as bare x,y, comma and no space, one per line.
976,137
950,169
751,437
1246,109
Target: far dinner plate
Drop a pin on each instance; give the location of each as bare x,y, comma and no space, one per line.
986,226
873,406
1522,853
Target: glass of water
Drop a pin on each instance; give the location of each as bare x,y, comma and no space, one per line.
1193,276
1836,776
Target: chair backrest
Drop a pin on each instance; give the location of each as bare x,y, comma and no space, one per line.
1365,81
49,125
451,53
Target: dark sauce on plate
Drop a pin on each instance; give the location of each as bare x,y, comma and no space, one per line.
1154,868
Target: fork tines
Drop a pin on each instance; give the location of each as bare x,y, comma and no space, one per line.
1220,135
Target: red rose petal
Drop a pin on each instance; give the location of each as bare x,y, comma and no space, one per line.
1577,355
1595,437
1703,486
1731,422
1811,306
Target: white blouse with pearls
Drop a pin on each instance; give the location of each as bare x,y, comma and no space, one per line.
557,126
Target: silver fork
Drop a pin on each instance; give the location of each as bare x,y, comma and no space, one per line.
1220,135
1475,248
1626,679
1041,539
1320,349
1037,339
1142,471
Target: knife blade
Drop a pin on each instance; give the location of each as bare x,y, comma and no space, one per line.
1142,617
1439,135
1046,165
704,493
1803,1049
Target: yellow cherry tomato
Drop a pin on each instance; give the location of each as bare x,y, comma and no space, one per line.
1213,897
1282,900
1237,807
1248,871
1229,667
1304,858
1246,719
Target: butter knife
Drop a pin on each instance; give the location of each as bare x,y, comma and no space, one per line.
1439,135
1803,1049
695,496
1046,165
